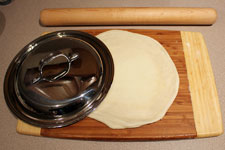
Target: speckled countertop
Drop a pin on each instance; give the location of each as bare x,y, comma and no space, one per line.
19,24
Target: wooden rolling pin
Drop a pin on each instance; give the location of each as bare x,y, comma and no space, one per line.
128,16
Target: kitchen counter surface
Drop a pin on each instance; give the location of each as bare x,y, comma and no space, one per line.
19,24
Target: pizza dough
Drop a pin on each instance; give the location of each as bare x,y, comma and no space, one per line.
145,81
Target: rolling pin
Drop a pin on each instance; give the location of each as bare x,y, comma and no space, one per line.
128,16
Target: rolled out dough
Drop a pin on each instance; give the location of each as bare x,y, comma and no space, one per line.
145,81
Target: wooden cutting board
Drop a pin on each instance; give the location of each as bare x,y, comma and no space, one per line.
194,113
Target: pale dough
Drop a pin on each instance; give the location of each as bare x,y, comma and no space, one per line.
145,82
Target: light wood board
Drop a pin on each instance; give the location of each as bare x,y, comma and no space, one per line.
194,113
205,102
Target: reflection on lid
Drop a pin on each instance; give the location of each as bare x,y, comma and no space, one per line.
82,74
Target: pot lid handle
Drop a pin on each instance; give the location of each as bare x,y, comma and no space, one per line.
46,60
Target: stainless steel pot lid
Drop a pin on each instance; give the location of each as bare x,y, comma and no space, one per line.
58,78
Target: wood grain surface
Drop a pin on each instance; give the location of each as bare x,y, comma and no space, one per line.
205,101
179,122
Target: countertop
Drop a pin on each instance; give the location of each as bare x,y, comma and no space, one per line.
19,24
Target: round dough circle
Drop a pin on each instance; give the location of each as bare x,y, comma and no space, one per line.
145,81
